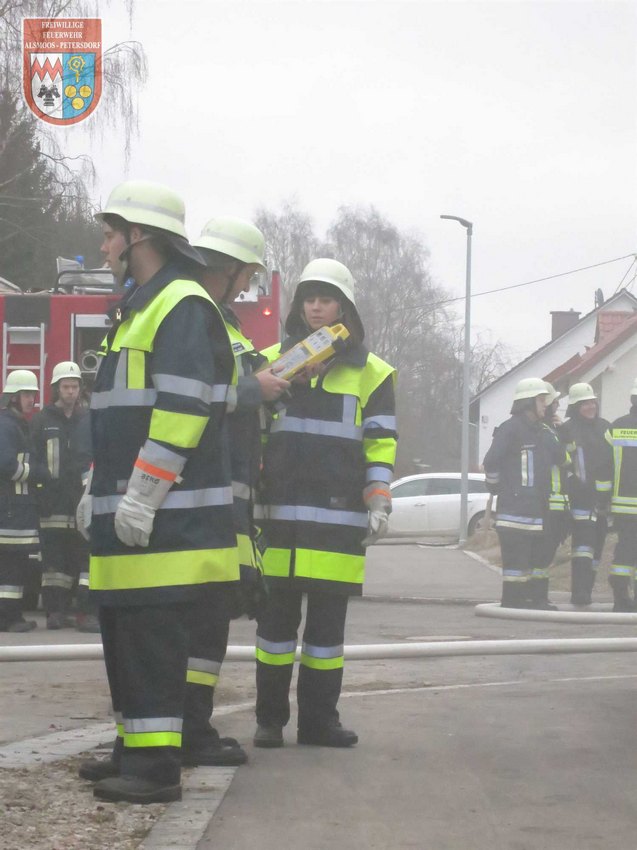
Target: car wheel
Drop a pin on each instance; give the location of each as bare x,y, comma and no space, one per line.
478,524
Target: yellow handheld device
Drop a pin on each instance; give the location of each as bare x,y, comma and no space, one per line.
315,348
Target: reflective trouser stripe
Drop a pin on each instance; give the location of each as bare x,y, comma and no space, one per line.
11,591
583,552
274,653
202,671
619,570
515,575
322,657
55,579
83,580
152,739
539,572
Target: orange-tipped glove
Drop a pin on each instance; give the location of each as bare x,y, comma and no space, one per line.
377,498
148,486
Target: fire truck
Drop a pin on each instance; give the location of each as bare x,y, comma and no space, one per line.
69,321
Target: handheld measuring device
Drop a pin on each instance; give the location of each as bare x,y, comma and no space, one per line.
317,347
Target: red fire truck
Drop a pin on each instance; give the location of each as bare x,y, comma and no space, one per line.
68,322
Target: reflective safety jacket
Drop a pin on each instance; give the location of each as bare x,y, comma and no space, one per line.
518,467
245,439
622,438
62,445
19,475
164,383
332,437
558,499
592,463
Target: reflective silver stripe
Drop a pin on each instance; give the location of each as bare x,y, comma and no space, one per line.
231,397
21,541
387,423
379,473
317,426
138,205
240,490
306,513
58,522
232,240
83,580
11,591
53,456
276,648
152,724
350,406
19,532
123,398
53,579
323,651
204,665
157,455
17,476
188,387
206,497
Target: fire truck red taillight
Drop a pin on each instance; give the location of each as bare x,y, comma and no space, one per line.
267,311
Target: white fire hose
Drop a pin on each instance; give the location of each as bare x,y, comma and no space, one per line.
362,652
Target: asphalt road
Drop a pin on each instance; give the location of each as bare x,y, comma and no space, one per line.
478,753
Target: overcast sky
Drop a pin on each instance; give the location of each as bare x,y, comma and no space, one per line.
520,116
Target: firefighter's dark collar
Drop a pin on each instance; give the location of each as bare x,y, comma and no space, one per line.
139,296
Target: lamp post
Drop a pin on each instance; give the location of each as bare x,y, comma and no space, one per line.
466,375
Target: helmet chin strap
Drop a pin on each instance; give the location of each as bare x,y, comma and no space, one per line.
232,279
124,257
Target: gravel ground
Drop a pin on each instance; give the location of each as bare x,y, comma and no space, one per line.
49,808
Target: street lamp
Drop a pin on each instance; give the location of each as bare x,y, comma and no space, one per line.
466,375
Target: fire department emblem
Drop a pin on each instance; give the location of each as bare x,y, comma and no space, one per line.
62,68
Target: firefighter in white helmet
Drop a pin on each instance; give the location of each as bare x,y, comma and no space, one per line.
162,536
19,475
622,439
327,466
518,469
583,434
61,440
233,250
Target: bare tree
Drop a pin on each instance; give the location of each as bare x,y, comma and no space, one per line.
290,242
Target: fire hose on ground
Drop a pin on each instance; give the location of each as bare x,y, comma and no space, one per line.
362,652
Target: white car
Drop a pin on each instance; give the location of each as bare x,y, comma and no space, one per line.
428,505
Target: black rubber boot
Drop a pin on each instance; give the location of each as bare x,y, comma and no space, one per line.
225,752
268,737
94,770
514,594
330,736
136,789
581,585
21,625
539,595
622,600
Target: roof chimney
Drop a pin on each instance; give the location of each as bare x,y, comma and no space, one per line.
562,321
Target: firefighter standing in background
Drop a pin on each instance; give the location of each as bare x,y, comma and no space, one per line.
518,468
19,475
327,466
162,535
557,517
233,251
622,437
589,487
62,445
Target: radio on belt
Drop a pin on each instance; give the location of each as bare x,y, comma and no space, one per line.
315,348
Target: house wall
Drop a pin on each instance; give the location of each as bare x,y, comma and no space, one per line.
615,377
495,403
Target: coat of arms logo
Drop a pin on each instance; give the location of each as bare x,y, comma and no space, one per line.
62,68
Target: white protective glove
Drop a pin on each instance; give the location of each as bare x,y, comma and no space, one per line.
377,498
84,510
148,486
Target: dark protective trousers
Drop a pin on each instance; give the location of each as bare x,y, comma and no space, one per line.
321,668
624,567
65,558
14,570
556,527
146,655
588,533
208,643
521,552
